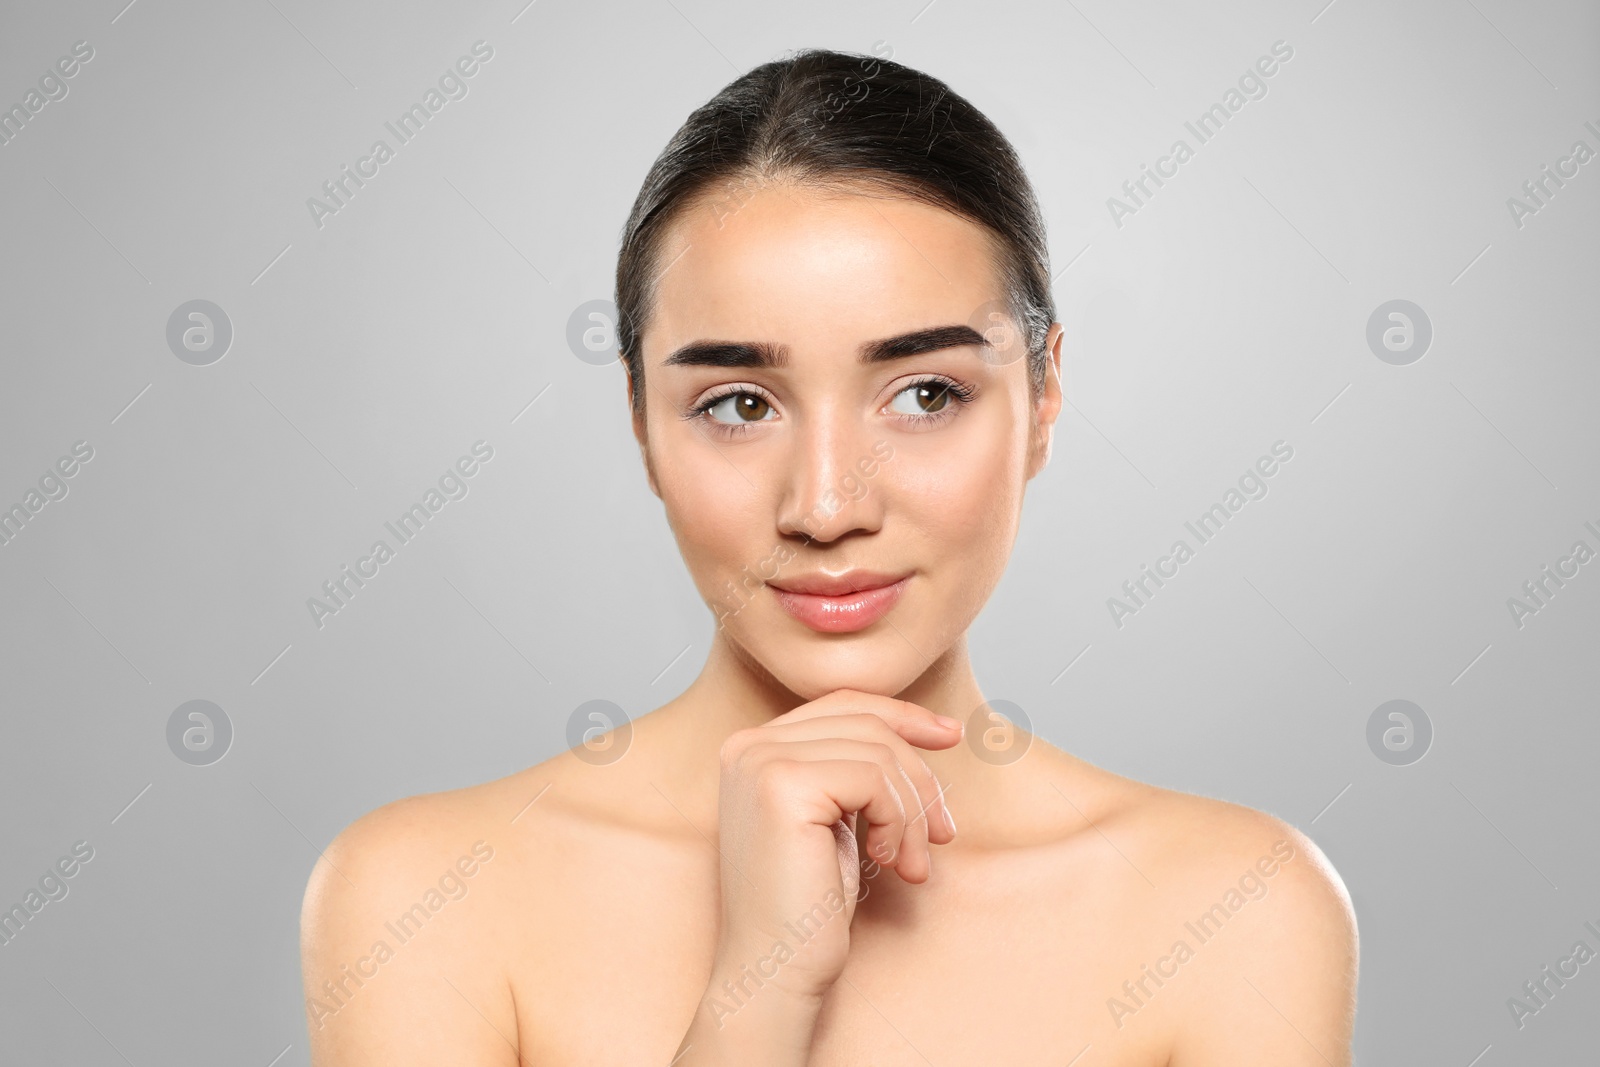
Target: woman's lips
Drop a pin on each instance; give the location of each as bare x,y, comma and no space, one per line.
844,613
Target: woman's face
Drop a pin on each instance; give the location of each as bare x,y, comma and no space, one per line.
801,422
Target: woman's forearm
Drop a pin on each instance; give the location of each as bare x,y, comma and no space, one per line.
738,1024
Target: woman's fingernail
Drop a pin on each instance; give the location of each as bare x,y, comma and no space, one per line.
948,723
950,819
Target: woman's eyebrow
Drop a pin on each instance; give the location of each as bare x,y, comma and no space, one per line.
767,354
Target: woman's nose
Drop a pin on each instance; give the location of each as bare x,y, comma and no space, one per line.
824,493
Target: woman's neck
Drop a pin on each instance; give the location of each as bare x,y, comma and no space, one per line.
733,692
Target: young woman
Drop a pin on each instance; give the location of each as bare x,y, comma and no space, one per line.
844,366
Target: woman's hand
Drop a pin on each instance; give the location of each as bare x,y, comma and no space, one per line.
790,861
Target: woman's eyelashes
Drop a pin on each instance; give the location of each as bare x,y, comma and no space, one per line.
736,407
932,397
921,404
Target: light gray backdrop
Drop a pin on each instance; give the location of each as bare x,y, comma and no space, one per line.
1230,308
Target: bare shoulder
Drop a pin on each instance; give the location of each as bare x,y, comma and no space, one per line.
391,847
1209,844
1192,847
1262,932
526,829
397,954
387,856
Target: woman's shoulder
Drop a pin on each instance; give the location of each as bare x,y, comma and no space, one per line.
1192,839
439,883
381,860
1246,890
377,859
409,836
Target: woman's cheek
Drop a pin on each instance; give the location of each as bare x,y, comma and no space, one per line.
720,534
953,500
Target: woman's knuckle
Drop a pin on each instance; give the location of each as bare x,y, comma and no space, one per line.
777,779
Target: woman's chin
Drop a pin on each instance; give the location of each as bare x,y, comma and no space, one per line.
816,674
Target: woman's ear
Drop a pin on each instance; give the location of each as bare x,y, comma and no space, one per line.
640,435
1048,406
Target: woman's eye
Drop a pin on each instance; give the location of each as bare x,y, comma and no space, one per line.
927,398
739,407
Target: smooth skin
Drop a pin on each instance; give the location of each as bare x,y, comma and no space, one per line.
790,821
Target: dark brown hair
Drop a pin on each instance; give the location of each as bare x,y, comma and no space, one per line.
822,117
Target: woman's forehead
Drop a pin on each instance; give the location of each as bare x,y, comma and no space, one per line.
788,262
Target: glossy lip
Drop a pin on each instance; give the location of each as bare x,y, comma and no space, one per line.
839,603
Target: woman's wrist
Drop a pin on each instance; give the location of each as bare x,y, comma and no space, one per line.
741,1020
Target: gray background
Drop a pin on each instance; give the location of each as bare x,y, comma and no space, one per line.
368,354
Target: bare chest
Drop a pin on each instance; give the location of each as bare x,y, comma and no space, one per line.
974,968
